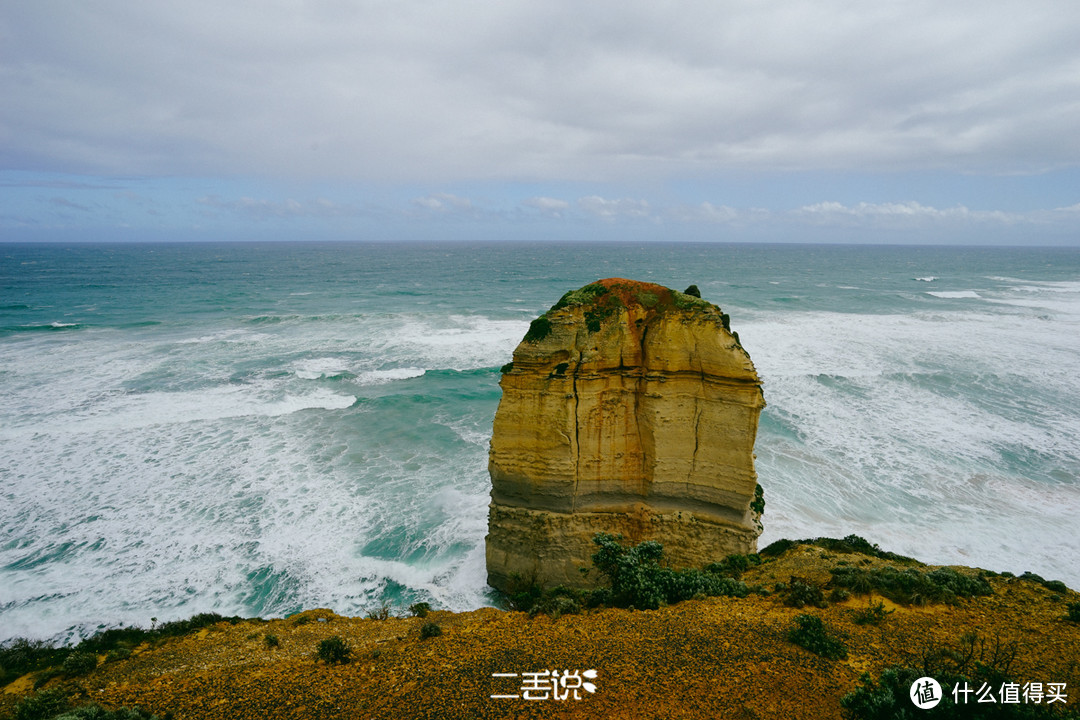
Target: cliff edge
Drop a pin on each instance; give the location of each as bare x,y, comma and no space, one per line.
629,408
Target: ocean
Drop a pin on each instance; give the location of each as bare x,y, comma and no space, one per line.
256,429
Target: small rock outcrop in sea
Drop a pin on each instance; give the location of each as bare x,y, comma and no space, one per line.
629,408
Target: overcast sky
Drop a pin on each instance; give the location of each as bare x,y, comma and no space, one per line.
849,121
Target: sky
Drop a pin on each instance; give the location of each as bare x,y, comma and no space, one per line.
915,121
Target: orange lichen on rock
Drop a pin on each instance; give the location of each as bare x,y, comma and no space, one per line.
629,408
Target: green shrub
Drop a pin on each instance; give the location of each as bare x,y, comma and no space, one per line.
733,566
522,594
42,705
848,545
430,630
911,586
22,655
539,329
271,641
839,595
781,546
639,580
757,505
874,614
526,596
420,609
969,662
79,663
559,601
381,613
810,633
129,637
117,654
301,620
1073,614
800,592
334,650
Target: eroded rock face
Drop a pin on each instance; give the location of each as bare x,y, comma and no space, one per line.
632,409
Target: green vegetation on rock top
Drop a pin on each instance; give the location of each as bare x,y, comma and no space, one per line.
605,298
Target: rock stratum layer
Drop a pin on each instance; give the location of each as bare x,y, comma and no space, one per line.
629,408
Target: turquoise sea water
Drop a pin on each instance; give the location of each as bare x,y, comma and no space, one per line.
258,428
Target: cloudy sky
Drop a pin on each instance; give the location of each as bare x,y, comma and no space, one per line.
750,120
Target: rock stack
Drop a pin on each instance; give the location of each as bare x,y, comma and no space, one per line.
629,408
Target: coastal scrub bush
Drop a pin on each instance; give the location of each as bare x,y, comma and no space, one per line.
1073,612
781,546
41,705
733,566
420,609
558,601
839,595
810,633
968,663
22,655
271,641
639,580
910,586
1052,585
539,329
430,630
129,637
757,505
381,613
117,654
800,592
873,614
528,596
334,650
847,545
79,663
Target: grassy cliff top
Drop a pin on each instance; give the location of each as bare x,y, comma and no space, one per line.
620,292
606,298
730,657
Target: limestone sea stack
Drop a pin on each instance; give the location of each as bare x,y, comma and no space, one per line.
629,408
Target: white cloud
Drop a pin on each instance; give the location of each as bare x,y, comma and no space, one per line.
517,90
546,203
445,202
705,212
909,211
613,209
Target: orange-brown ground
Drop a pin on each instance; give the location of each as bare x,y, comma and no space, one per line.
713,658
